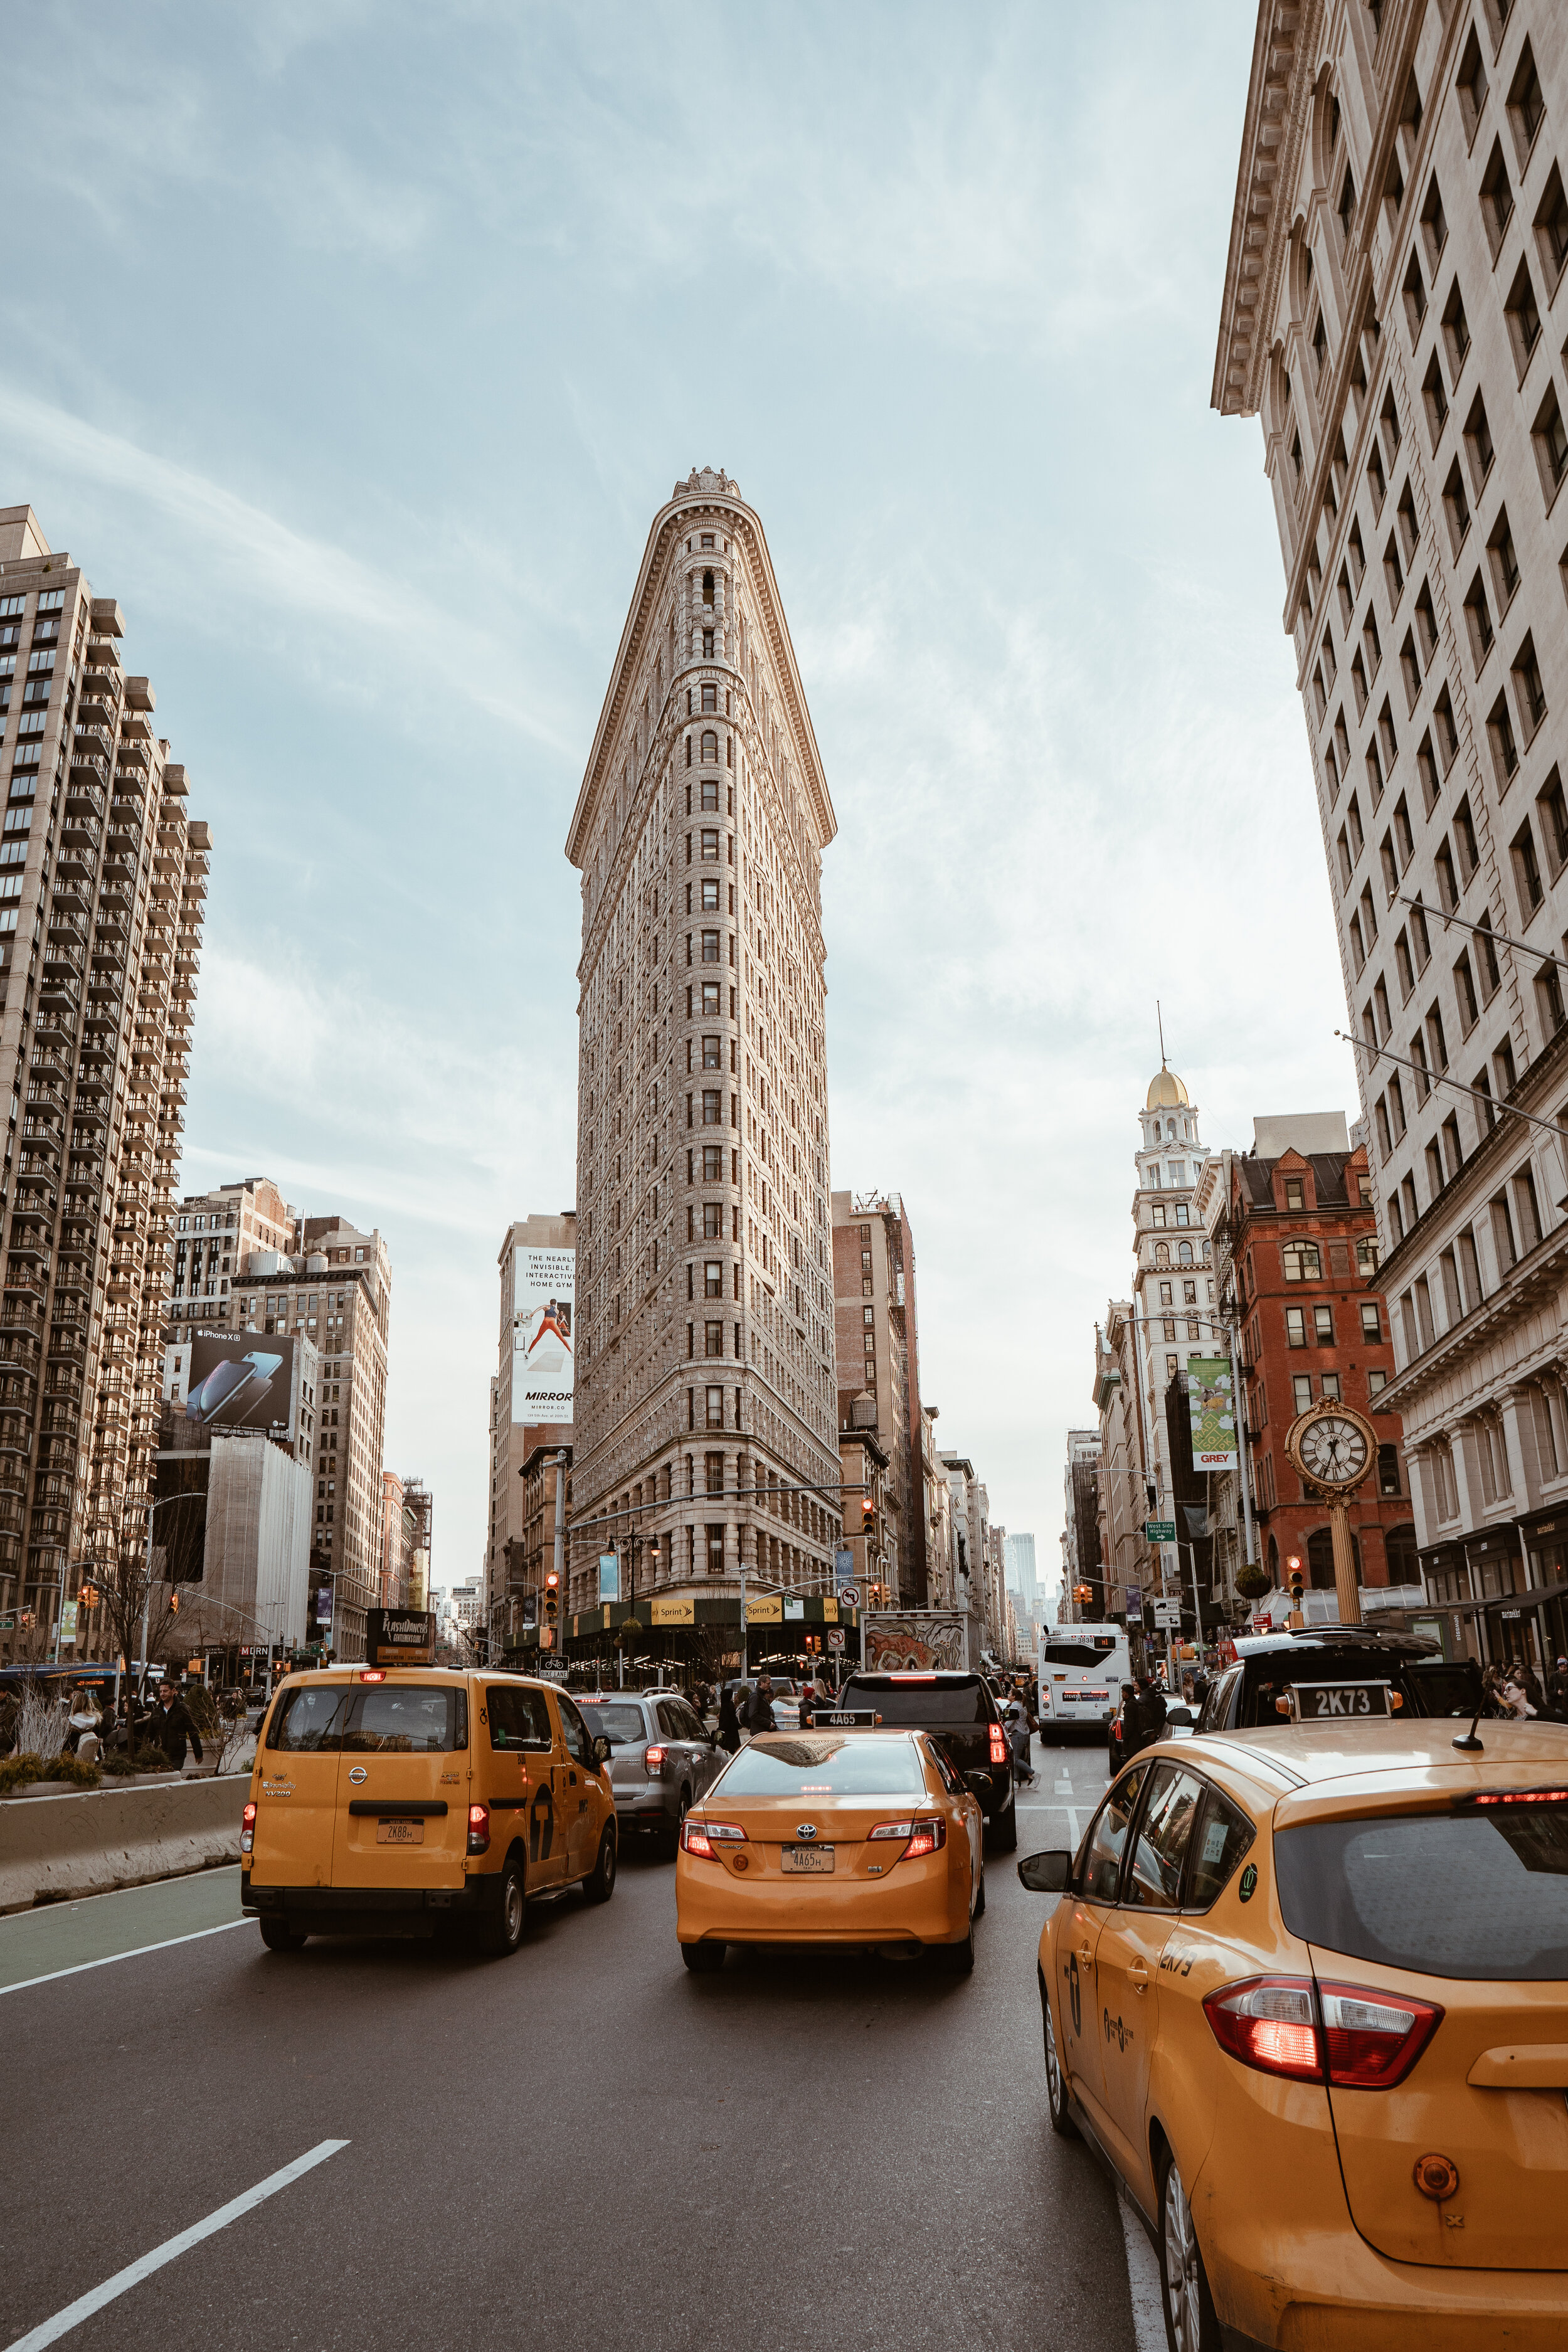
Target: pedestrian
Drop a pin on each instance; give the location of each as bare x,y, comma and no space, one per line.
1143,1716
729,1721
1528,1681
1557,1691
84,1719
759,1707
1018,1739
171,1726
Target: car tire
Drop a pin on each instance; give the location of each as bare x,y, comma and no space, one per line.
502,1931
1003,1835
278,1937
703,1959
600,1883
957,1960
669,1834
1191,2323
1057,2103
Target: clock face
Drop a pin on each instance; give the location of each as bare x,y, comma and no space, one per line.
1333,1450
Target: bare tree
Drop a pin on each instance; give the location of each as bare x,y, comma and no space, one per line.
140,1587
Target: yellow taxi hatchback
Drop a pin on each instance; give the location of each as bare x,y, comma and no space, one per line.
1306,1987
406,1801
865,1838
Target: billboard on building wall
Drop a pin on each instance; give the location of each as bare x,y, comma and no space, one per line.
1211,1399
243,1382
543,1298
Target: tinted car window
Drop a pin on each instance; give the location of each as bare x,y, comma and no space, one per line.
403,1718
1223,1836
946,1769
1450,1895
518,1719
309,1719
1075,1653
952,1705
623,1725
1216,1706
821,1765
574,1730
687,1726
1153,1880
1437,1686
1098,1866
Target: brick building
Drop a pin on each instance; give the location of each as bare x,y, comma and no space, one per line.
1295,1220
876,1346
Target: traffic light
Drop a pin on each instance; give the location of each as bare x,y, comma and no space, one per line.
89,1596
551,1605
1083,1593
867,1508
174,1604
1297,1581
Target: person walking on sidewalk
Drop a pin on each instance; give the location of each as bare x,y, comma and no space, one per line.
171,1726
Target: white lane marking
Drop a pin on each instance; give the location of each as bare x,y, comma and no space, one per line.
109,1958
50,2330
1144,2281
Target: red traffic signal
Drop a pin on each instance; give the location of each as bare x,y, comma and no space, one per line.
866,1506
550,1580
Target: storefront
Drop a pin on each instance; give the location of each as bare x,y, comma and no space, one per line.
1497,1596
701,1631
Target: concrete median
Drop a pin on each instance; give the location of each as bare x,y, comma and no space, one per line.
54,1849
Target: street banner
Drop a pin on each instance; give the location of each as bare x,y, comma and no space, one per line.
609,1576
1211,1400
675,1612
843,1564
543,1295
395,1637
1132,1600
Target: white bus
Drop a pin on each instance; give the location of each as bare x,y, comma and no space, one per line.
1082,1671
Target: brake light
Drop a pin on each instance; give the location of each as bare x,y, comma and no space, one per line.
478,1829
1270,2024
696,1839
1517,1796
998,1745
891,1829
722,1833
1375,2038
247,1830
917,1836
373,1674
654,1760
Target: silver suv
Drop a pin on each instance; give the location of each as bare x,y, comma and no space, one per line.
662,1758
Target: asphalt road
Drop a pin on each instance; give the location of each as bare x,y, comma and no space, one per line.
581,2144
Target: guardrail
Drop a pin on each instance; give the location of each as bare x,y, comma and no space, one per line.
55,1849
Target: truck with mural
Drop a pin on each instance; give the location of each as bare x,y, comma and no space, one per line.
916,1641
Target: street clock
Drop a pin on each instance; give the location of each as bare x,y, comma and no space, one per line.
1332,1446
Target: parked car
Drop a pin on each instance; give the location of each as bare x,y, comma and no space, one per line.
662,1759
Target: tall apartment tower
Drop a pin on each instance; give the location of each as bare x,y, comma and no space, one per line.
102,879
705,1375
878,1346
1173,1286
1397,255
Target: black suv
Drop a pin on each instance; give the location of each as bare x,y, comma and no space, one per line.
964,1718
1245,1694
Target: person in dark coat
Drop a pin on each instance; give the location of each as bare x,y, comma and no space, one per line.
729,1722
171,1726
1557,1691
1143,1717
759,1707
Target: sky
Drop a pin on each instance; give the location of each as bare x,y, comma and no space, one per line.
353,349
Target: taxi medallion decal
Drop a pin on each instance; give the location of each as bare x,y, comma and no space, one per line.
1249,1882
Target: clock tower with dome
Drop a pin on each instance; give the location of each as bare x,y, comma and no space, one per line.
1174,1285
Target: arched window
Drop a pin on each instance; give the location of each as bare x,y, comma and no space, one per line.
1163,1254
1320,1560
709,748
1184,1253
1273,1559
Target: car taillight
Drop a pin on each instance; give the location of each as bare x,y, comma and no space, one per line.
1375,2038
373,1674
715,1832
891,1829
478,1829
1270,2023
998,1745
654,1760
916,1836
696,1839
247,1830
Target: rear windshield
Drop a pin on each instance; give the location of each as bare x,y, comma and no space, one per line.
622,1727
1077,1653
817,1766
940,1704
1448,1895
324,1718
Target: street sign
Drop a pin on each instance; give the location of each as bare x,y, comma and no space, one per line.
1168,1615
835,1637
1159,1531
850,1596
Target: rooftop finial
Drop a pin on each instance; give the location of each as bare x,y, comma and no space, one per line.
1160,1018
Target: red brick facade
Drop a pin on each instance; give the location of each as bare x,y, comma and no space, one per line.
1314,1324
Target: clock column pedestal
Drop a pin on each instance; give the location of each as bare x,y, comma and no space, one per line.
1345,1583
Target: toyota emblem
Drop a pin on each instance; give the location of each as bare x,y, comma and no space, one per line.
805,1828
357,1773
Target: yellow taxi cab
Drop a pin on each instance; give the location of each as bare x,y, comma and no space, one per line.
846,1837
1306,1987
410,1799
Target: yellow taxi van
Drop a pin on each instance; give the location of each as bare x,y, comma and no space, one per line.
412,1800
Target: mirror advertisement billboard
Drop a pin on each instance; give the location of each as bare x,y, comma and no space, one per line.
244,1382
544,1296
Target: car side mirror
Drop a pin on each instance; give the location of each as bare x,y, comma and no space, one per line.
1180,1715
1045,1873
980,1782
601,1749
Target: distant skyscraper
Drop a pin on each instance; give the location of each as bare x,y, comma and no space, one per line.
1021,1568
705,1405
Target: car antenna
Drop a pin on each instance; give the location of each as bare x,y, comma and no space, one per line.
1471,1745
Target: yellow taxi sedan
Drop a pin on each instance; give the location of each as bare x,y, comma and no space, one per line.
1307,1987
868,1838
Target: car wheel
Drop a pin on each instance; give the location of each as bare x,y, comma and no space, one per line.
703,1959
279,1937
1056,2099
600,1884
502,1932
957,1960
1191,2325
1004,1829
670,1834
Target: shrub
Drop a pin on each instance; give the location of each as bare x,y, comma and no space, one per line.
17,1771
1253,1583
146,1760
